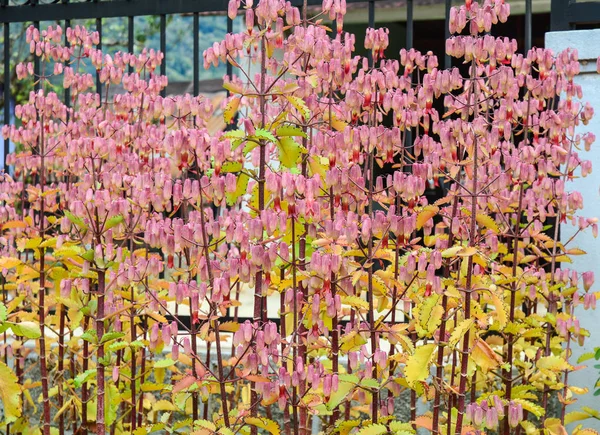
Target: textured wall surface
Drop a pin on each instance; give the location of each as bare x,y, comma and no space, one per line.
587,43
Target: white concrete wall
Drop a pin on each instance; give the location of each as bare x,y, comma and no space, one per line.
587,43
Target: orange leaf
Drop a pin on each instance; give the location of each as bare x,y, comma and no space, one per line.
424,421
14,224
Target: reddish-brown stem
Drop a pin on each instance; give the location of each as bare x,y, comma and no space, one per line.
462,388
84,388
133,337
511,316
100,369
61,366
439,372
258,281
42,293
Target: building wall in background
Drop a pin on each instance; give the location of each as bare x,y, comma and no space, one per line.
589,80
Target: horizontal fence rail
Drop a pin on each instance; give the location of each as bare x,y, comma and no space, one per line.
568,14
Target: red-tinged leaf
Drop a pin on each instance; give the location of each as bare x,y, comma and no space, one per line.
184,384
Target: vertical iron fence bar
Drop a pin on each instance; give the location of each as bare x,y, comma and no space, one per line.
6,88
163,49
410,29
196,32
371,24
36,59
229,66
528,18
130,38
99,30
558,15
67,93
447,7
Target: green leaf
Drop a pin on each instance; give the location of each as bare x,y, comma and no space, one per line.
76,220
164,363
88,255
26,329
290,130
3,313
90,335
10,394
289,152
82,378
344,388
234,134
586,356
417,366
300,105
117,345
113,222
263,134
110,336
231,167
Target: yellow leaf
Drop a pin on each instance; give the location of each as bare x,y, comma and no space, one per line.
352,341
553,363
487,222
9,262
373,429
344,427
451,252
229,326
460,330
501,316
484,356
231,109
576,416
424,313
417,366
355,302
426,214
317,167
535,409
467,251
10,394
264,423
586,432
164,405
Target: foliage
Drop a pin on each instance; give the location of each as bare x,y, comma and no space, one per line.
123,213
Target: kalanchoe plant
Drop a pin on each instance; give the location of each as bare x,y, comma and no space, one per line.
124,211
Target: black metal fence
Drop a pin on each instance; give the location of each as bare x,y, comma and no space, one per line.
566,14
64,11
